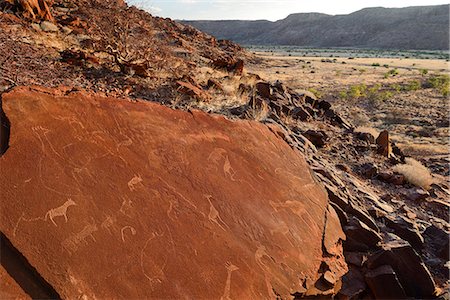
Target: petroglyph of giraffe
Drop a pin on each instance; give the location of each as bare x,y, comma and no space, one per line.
230,269
218,155
214,215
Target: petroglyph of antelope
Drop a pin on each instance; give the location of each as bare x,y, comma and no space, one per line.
59,211
71,244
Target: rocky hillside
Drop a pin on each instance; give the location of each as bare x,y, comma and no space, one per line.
144,161
424,27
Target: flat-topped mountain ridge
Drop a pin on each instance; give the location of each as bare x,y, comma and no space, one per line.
417,27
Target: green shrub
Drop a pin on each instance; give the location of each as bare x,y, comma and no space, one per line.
316,93
375,65
357,91
413,86
423,72
373,90
439,82
393,72
396,87
444,90
343,94
385,95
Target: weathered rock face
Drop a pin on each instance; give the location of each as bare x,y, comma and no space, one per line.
109,198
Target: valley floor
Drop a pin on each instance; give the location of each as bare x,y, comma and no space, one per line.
376,94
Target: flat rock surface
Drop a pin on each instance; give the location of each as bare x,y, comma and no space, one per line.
110,198
9,289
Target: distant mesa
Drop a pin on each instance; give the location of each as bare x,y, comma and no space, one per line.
412,28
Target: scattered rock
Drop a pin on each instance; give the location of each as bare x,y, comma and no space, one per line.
438,240
49,27
417,194
384,284
36,26
356,258
318,138
406,229
323,105
307,97
353,285
301,114
77,57
365,136
337,120
263,89
369,170
212,83
384,144
396,179
360,237
239,67
192,90
412,273
34,9
230,64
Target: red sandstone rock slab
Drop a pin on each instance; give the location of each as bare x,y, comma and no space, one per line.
9,289
108,198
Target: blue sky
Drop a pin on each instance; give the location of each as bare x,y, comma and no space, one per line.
261,9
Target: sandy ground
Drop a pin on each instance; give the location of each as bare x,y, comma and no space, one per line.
417,120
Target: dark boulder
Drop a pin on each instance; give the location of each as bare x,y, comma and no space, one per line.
384,284
412,273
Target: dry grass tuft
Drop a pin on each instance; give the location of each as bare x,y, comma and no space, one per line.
415,173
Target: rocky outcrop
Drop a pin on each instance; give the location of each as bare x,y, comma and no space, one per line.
34,9
111,198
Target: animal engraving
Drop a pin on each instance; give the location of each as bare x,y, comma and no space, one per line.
230,269
228,169
59,211
137,179
126,206
259,255
108,224
219,155
213,215
71,244
153,271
